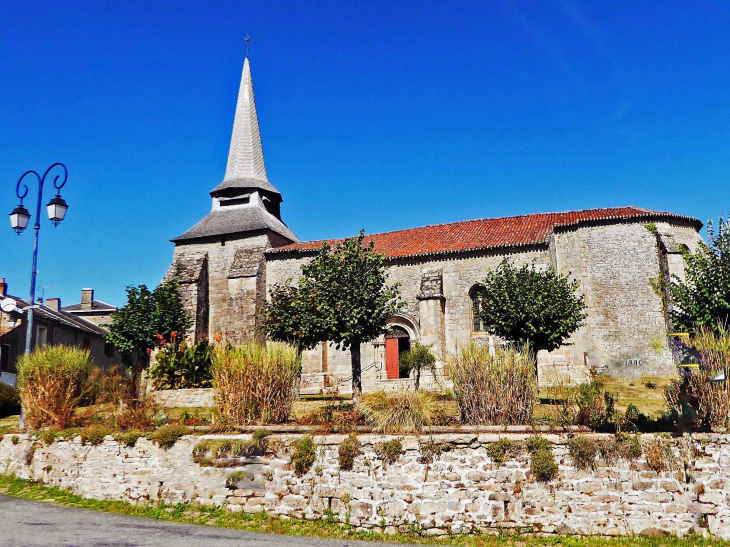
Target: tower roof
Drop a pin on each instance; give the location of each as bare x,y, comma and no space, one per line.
246,168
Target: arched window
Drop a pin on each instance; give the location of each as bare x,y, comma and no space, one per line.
476,322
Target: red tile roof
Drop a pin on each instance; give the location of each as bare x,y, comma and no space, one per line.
489,233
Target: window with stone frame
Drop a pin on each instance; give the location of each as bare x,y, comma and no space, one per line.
476,322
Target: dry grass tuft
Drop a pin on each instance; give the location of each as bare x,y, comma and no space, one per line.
256,383
50,382
399,412
499,389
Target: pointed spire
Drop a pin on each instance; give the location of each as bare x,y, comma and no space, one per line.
246,156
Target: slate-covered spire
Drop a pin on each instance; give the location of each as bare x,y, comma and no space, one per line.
246,168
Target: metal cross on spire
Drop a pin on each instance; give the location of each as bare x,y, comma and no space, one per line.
247,39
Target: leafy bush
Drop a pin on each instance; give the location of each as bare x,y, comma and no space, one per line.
430,451
9,400
536,443
256,382
543,466
389,451
499,389
583,451
304,456
167,435
349,449
398,411
595,407
498,451
137,414
94,434
703,301
179,366
130,438
50,382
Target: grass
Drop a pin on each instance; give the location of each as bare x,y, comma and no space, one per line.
261,522
648,400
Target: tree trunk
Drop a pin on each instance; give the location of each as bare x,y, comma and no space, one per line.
356,373
418,378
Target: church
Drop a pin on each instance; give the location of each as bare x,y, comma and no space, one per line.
227,263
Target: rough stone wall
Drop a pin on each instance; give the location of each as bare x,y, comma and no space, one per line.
236,281
460,490
189,398
613,264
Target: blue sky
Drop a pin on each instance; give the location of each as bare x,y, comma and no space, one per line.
378,115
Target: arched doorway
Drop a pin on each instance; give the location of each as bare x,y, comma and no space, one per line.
397,342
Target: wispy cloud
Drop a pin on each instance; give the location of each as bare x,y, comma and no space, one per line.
597,40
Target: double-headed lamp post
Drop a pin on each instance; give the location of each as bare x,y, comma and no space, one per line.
19,221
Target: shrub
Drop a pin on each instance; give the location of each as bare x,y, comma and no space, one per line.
50,382
137,414
543,466
9,400
130,438
399,411
429,451
234,478
596,407
179,366
15,439
389,451
167,435
107,386
304,456
583,451
498,451
498,389
256,382
417,359
536,443
94,434
349,449
658,455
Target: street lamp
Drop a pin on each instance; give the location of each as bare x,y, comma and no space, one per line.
19,221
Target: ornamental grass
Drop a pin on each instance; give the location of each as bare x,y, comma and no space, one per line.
51,381
256,383
399,411
711,400
498,388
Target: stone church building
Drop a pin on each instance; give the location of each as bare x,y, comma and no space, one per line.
228,261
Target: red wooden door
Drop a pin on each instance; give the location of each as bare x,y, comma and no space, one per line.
391,358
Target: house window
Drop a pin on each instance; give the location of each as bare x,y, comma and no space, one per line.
41,336
476,322
108,349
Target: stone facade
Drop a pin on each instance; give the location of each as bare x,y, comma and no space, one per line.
461,490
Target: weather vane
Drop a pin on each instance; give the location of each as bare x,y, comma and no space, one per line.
247,39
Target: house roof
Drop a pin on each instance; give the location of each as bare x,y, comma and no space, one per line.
489,233
235,220
96,305
65,318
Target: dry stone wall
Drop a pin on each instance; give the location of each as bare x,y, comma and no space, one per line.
461,490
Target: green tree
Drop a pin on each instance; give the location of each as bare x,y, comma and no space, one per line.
704,299
342,297
418,358
528,306
146,314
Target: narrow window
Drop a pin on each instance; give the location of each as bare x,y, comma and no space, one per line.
476,322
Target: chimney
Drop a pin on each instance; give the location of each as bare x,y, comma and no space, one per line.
3,288
54,303
87,297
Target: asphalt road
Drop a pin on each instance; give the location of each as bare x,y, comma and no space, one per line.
33,523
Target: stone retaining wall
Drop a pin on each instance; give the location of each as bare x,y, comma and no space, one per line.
461,490
194,398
